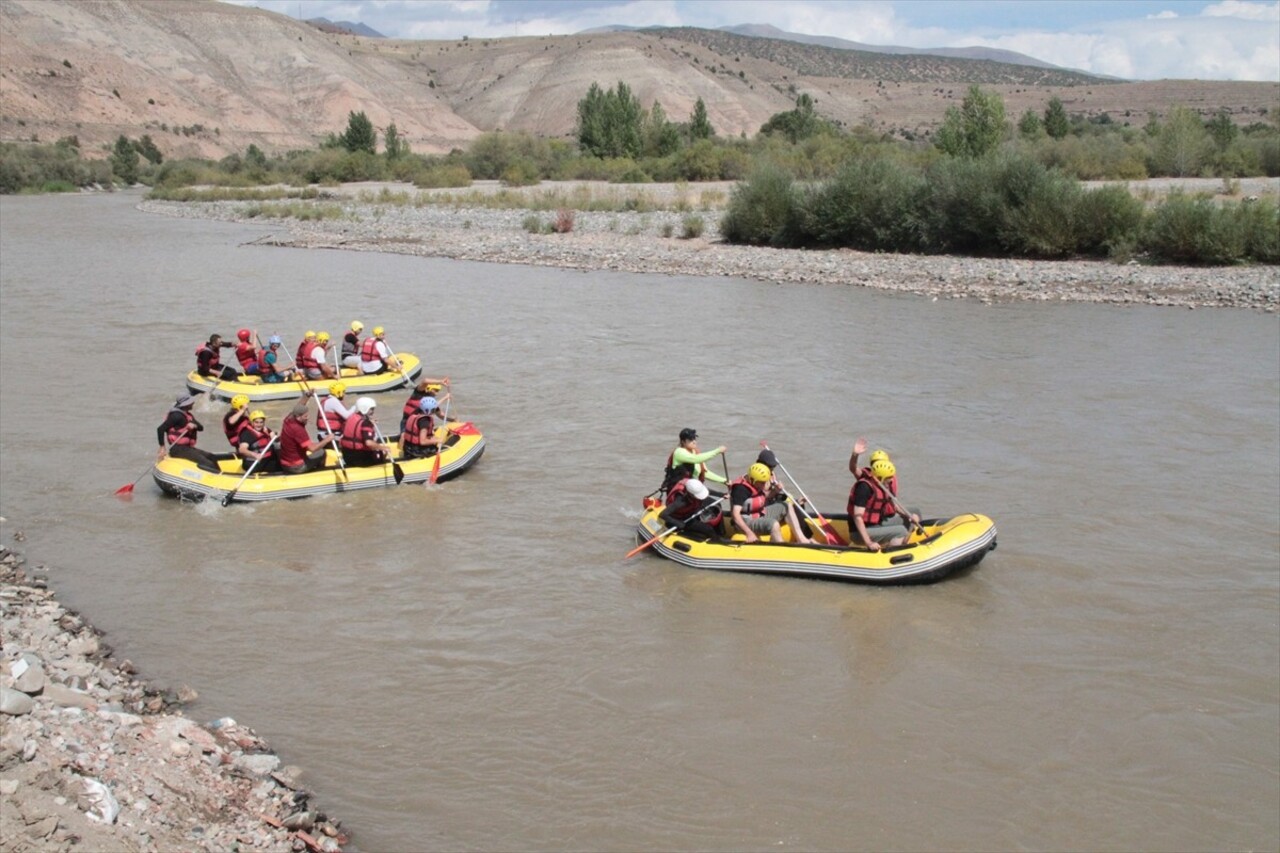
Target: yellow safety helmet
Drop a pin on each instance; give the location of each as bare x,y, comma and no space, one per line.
883,469
239,401
322,337
876,456
357,326
309,336
433,387
257,415
378,331
759,472
337,389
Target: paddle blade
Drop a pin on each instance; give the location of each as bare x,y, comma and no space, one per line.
639,548
397,472
435,468
124,491
465,428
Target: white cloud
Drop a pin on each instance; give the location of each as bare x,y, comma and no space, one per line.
1165,14
1244,10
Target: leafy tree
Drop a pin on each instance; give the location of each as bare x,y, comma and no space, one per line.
148,149
1056,123
124,161
798,124
976,128
661,137
396,146
359,135
255,161
1182,144
1030,126
699,125
1222,129
609,122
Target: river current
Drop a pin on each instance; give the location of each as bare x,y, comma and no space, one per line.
474,666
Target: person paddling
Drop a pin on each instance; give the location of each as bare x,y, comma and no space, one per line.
685,462
689,510
177,436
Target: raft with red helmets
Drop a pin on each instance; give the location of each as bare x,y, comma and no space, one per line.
939,548
357,383
463,443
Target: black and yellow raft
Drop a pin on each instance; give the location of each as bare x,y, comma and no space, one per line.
182,478
357,383
942,547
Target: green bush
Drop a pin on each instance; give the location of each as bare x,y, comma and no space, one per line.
961,207
1194,231
443,175
1108,221
1260,221
762,209
869,205
634,175
1043,223
532,223
691,226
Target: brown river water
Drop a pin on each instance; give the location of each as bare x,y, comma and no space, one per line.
475,667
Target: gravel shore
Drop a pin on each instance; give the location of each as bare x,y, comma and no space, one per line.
652,242
92,757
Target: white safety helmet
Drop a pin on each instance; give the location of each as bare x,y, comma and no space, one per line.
697,488
365,405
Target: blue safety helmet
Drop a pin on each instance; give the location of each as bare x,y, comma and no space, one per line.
429,404
275,340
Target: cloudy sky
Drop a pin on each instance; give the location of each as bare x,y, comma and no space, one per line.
1134,39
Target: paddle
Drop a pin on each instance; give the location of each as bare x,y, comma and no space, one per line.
127,489
435,464
229,496
391,353
396,470
324,419
663,533
833,538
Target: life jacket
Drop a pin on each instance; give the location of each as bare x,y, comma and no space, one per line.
232,430
414,425
350,344
356,431
673,473
255,438
411,406
246,355
369,350
681,505
326,415
879,505
215,359
268,368
304,358
754,507
183,435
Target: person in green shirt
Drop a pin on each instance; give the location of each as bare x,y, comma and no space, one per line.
685,461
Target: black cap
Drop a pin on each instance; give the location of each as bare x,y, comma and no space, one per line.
766,456
688,434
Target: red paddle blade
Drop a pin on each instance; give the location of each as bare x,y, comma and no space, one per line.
124,491
435,469
465,428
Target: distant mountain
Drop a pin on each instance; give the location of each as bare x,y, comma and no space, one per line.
207,79
354,29
990,53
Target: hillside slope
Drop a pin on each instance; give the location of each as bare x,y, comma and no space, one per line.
205,78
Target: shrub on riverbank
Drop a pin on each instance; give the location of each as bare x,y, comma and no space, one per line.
1004,204
49,168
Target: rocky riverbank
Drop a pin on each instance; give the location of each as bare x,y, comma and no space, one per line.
654,242
92,757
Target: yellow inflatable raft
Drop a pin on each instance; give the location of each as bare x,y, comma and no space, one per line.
183,478
357,383
944,546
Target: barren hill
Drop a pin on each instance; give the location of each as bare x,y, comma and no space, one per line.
206,78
